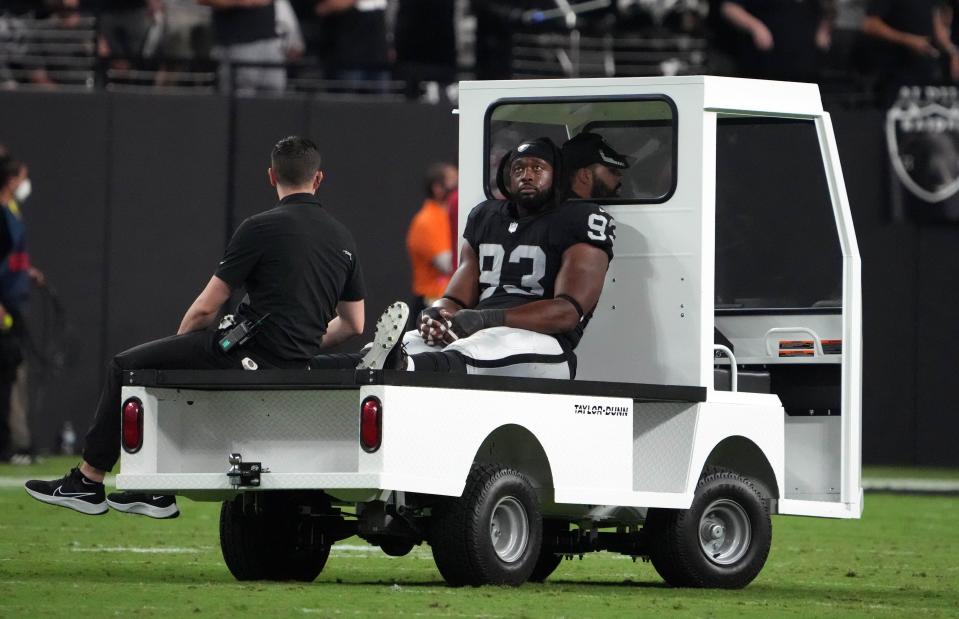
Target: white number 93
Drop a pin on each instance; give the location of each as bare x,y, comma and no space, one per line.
597,227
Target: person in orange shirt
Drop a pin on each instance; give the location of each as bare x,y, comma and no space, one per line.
428,239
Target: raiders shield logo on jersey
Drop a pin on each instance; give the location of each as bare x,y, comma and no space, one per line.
512,227
922,134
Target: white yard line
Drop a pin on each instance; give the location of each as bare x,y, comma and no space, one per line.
938,486
163,550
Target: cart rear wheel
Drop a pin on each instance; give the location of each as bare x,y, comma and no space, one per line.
490,535
272,540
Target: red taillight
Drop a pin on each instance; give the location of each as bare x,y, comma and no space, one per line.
371,424
131,425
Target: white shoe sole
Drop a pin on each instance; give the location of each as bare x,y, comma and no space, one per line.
389,331
77,505
145,509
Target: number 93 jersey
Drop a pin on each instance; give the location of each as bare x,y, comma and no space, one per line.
519,258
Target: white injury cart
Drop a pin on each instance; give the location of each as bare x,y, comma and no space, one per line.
719,381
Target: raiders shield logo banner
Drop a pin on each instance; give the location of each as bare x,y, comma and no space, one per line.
922,135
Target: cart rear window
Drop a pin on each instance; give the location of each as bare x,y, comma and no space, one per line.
641,128
777,245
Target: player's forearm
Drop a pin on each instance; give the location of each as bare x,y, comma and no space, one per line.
548,316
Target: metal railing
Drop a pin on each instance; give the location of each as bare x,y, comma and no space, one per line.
61,52
576,55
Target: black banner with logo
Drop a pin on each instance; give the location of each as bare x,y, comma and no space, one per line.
922,136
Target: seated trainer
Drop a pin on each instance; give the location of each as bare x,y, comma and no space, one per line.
531,272
595,170
299,268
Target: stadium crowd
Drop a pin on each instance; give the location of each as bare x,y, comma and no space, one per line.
420,47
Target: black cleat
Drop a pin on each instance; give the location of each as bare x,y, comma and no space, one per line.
387,350
73,490
160,506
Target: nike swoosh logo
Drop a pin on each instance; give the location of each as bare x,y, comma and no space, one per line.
157,498
59,492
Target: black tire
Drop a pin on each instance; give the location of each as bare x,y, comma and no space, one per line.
462,530
273,543
726,505
548,560
243,546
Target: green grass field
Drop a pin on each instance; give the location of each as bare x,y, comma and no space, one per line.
900,560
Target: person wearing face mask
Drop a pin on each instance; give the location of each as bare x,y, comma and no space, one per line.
16,276
531,271
595,169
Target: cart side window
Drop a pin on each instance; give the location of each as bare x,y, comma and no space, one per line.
777,246
643,129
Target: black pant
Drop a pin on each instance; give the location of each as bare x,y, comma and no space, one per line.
191,351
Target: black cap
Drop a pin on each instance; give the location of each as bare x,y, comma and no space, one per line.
542,148
585,149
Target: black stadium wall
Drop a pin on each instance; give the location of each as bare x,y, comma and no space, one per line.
135,197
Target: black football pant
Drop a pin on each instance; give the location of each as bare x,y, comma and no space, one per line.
190,351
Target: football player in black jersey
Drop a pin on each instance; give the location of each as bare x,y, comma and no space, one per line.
531,271
594,169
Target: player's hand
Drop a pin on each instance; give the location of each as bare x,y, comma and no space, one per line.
434,325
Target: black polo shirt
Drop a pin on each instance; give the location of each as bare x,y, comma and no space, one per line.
296,263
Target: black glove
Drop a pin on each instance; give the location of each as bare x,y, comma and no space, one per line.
467,322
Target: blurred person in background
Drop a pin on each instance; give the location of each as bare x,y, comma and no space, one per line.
244,31
122,27
355,41
16,277
723,40
180,39
496,23
913,41
783,39
428,240
425,42
949,18
288,29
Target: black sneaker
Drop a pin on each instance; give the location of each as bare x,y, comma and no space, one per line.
73,490
387,351
153,505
